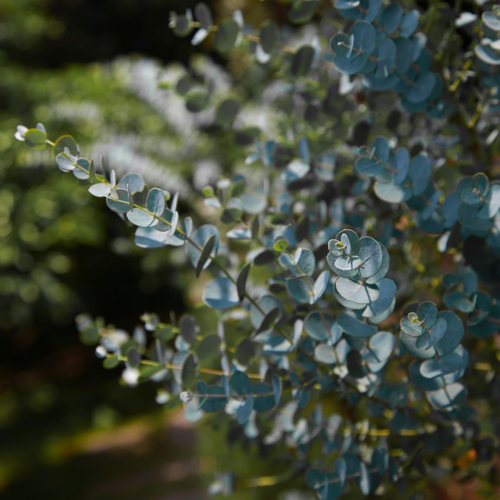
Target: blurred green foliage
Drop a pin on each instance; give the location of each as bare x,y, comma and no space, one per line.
55,242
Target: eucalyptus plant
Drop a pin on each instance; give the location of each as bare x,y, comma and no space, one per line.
325,333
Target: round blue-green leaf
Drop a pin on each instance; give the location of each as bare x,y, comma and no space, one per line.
435,367
353,240
469,217
221,293
428,313
325,353
241,233
370,253
66,141
348,263
240,384
135,182
156,201
411,325
295,170
337,478
437,331
205,254
386,58
387,289
410,344
270,319
241,281
467,192
390,18
100,190
324,166
369,167
226,35
487,55
319,326
305,262
392,193
356,292
491,20
419,43
304,150
149,237
263,403
420,173
375,320
384,267
201,237
141,218
299,290
354,327
320,286
267,303
401,162
82,172
277,345
427,384
380,347
409,23
453,335
65,163
451,395
118,201
382,83
348,64
403,48
254,201
481,182
365,36
483,303
277,389
462,352
245,409
489,210
432,205
347,4
342,349
214,403
347,303
365,479
423,87
449,209
316,479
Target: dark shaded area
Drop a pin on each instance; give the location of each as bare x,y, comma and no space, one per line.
53,389
137,462
100,30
